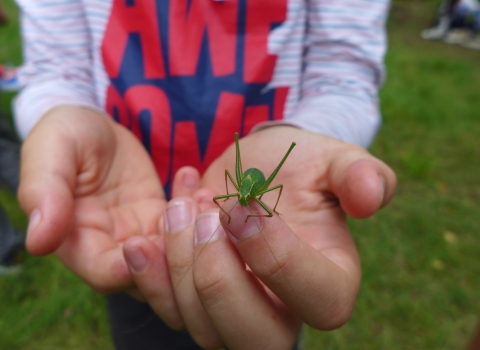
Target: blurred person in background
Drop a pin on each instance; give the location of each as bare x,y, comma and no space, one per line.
458,23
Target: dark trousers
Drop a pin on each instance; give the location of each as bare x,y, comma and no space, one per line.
135,326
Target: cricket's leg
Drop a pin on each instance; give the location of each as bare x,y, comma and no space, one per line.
263,205
278,198
227,173
225,196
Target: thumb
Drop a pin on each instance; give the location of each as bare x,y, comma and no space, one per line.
320,291
47,179
361,182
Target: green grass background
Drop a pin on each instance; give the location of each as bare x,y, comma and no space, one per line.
420,255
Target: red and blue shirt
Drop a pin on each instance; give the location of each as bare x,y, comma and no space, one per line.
184,75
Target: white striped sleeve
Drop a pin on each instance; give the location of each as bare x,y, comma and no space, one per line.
57,60
346,43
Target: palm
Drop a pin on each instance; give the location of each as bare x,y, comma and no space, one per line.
105,190
123,199
123,196
307,203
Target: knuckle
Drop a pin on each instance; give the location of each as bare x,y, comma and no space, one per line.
210,287
179,268
276,268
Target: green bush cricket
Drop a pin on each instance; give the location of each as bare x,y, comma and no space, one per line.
251,184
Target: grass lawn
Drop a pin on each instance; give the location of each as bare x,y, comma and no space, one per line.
420,255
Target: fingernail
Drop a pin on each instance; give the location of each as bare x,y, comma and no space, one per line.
178,216
34,220
240,229
249,228
136,259
208,228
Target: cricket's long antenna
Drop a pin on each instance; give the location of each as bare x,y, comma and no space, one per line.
272,176
238,167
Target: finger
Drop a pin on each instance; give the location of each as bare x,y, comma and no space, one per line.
320,286
204,198
185,182
47,178
179,226
148,266
241,310
362,183
93,249
97,259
